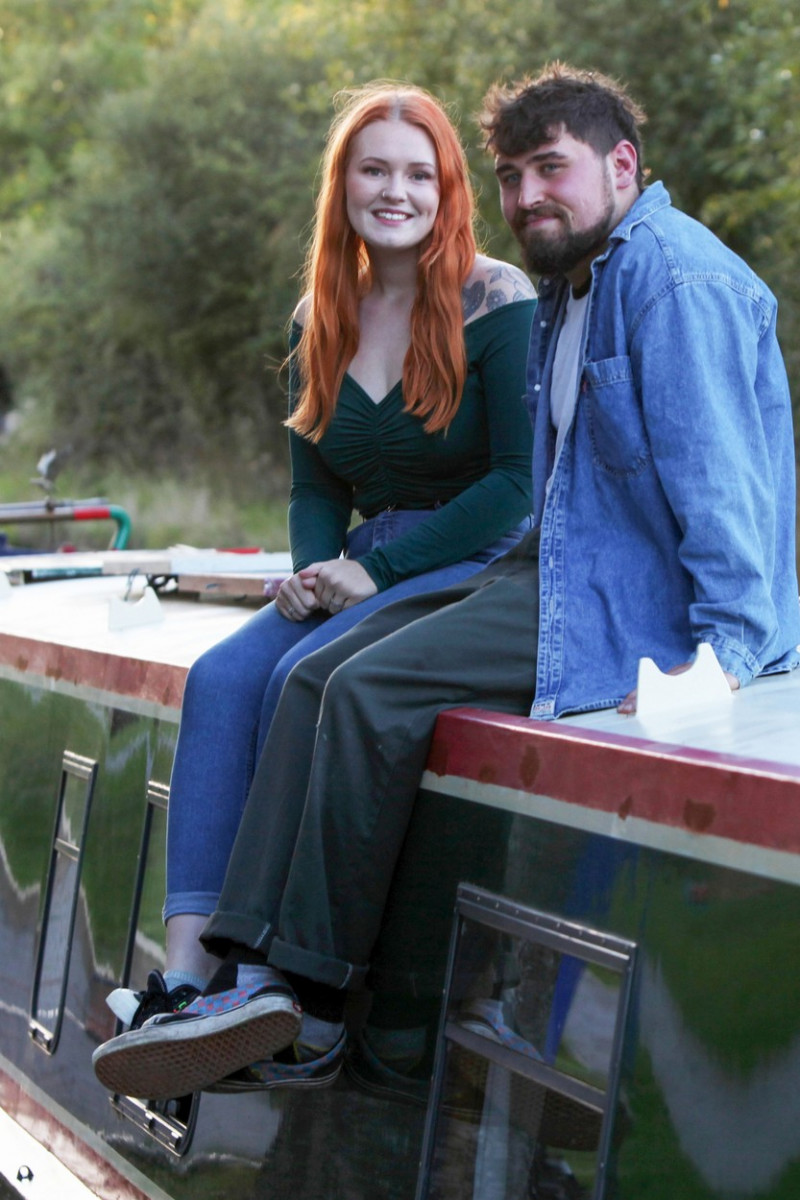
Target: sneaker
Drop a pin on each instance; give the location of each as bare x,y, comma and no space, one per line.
468,1071
287,1069
372,1075
485,1017
550,1117
134,1008
225,1028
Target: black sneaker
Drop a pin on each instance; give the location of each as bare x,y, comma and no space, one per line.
134,1008
227,1027
372,1075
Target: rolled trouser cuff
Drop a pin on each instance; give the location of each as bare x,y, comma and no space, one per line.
334,972
224,928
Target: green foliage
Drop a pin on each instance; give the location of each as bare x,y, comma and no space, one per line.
159,160
720,80
59,58
150,309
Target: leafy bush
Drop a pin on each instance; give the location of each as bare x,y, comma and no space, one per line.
160,164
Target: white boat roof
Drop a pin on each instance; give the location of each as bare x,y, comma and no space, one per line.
61,630
760,722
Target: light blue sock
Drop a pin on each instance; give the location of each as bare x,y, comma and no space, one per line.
175,979
257,975
317,1037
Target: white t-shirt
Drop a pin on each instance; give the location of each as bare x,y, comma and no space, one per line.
566,365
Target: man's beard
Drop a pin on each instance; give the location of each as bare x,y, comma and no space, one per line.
548,254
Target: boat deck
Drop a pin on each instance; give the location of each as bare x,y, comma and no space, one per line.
678,837
56,625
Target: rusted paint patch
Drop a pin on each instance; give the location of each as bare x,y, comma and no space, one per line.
698,816
487,773
529,767
626,808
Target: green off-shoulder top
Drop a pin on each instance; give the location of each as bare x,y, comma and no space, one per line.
476,475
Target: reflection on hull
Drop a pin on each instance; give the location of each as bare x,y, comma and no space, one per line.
747,1150
281,1145
703,1102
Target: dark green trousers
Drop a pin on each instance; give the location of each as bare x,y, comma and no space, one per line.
334,791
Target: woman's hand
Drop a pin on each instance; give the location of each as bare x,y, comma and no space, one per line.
295,599
330,586
339,583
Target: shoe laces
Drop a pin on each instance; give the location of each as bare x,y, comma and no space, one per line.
156,1000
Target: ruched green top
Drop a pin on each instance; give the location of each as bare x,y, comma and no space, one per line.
476,476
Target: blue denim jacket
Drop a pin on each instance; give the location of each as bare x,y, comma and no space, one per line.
670,518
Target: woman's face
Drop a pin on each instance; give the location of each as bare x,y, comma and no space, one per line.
392,185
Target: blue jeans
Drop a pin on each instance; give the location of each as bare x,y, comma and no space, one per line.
230,697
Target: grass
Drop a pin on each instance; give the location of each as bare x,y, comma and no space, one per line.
653,1164
196,507
169,512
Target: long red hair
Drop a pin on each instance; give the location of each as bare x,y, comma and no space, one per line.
337,271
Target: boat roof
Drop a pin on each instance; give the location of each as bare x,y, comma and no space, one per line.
761,722
57,622
61,630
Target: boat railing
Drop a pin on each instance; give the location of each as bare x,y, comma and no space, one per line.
51,511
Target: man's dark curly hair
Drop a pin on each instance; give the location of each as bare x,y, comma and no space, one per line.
591,107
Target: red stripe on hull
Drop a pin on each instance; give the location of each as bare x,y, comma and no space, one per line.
744,800
161,683
66,1144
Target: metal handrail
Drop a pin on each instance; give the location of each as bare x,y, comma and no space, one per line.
52,510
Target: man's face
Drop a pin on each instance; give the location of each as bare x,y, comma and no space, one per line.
560,201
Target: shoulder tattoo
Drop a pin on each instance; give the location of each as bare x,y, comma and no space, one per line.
472,297
507,285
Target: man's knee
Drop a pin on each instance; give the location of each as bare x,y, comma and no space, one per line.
310,675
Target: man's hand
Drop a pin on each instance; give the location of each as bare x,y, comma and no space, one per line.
628,705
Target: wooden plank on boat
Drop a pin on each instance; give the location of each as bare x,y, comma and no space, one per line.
177,561
254,588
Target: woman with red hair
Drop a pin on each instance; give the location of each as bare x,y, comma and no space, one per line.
407,372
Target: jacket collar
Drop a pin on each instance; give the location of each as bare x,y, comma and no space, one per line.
652,199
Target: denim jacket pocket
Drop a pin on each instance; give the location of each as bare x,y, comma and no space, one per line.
614,416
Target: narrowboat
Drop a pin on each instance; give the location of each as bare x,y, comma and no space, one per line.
600,916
